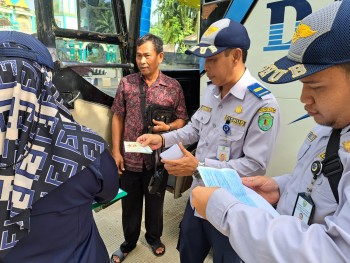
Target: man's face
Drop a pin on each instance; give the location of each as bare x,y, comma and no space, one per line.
147,59
219,68
326,96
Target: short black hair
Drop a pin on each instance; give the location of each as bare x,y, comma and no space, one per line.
345,67
244,54
156,41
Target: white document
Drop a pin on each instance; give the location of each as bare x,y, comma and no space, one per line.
135,147
173,153
230,180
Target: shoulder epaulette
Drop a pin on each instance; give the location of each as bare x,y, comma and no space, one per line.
258,90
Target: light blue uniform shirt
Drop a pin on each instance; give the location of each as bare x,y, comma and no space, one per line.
258,237
254,125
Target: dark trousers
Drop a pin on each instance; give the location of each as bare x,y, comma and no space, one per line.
136,185
196,238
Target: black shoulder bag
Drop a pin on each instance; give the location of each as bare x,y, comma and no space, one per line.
147,116
156,112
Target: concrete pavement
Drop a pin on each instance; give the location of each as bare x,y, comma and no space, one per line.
109,223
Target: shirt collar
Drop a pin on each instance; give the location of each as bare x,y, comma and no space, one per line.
239,89
159,81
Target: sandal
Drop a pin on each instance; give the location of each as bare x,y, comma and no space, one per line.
121,256
156,246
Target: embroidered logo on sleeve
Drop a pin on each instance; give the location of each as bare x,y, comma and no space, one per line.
265,121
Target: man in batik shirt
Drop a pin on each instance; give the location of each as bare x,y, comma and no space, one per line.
136,169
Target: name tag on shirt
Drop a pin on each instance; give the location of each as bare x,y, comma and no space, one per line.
304,208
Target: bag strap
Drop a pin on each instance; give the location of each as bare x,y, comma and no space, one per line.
154,157
332,167
143,107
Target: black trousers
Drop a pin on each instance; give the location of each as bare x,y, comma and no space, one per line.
136,185
196,238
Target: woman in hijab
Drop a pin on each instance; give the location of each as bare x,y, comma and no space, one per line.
51,168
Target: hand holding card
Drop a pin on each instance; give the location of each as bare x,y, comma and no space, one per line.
173,153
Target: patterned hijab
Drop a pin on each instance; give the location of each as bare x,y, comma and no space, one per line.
41,146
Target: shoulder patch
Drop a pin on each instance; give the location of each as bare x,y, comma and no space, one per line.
258,90
311,136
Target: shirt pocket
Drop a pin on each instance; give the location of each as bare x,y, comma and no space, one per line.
236,135
202,117
303,150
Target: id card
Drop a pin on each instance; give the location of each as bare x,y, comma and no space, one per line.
304,208
223,153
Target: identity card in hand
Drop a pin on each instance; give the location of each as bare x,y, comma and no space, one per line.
229,179
135,147
173,153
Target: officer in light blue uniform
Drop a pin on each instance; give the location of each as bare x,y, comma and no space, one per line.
235,127
313,200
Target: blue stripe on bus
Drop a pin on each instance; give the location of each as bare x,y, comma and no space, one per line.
238,9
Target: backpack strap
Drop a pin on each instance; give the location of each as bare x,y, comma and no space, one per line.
332,167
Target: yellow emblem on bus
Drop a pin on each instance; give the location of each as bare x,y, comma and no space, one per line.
211,30
303,31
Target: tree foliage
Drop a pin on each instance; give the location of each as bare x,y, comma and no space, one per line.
175,22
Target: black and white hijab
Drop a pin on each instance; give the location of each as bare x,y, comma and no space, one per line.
41,146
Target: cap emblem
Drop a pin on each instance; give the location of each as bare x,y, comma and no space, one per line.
303,31
211,30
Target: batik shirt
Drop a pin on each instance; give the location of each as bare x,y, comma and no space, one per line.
164,91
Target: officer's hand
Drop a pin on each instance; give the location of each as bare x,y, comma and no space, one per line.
160,126
154,141
184,166
200,198
265,186
119,160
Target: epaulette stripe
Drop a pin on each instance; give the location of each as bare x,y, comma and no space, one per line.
258,90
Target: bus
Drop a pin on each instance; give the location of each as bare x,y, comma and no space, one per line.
92,43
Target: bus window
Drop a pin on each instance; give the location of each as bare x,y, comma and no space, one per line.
85,15
105,78
69,49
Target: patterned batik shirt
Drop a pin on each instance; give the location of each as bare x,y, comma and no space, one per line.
164,91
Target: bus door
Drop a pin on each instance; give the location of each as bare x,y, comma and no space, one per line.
93,45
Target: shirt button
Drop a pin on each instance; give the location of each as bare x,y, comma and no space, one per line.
220,106
214,125
207,144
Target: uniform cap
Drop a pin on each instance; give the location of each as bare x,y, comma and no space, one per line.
321,40
221,35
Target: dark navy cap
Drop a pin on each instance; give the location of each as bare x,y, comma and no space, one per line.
321,40
18,44
221,35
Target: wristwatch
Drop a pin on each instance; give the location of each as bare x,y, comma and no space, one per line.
196,172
